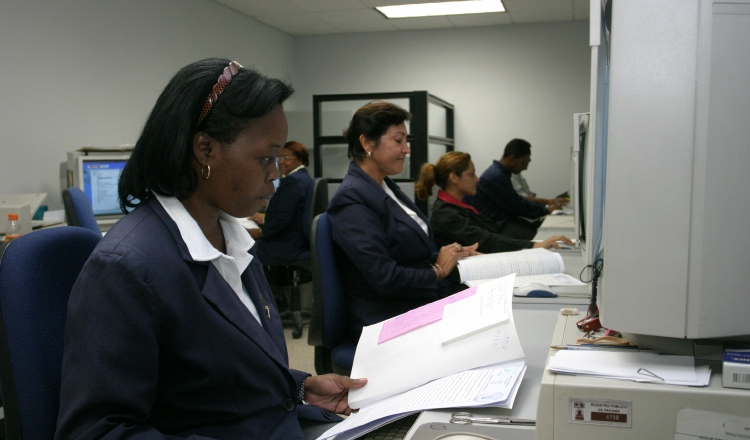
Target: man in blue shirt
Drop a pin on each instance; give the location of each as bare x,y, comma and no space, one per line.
496,198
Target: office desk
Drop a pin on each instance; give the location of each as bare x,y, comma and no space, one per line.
654,407
556,225
536,320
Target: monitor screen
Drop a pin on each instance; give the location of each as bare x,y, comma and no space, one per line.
99,180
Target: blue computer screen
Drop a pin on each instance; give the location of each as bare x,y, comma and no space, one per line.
100,180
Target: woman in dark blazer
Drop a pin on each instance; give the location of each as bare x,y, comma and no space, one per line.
171,330
453,220
385,251
282,236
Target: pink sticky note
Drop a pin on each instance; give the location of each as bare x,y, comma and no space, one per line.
419,317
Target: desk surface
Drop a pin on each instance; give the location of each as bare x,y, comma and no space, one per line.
654,406
536,320
556,225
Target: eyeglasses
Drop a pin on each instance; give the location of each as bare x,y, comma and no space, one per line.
286,158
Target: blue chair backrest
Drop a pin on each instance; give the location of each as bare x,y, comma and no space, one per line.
78,210
327,283
37,273
316,202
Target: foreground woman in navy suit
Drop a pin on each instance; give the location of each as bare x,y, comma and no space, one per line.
172,331
385,248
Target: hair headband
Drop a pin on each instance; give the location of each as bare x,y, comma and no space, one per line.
224,79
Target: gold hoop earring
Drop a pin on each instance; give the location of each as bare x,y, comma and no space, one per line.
207,173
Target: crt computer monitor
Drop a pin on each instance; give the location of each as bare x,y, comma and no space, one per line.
98,177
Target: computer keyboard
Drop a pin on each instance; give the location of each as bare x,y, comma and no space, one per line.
396,430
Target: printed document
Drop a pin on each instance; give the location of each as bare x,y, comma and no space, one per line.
495,385
695,424
490,306
418,356
634,366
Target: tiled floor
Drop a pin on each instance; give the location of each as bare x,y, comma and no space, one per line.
301,355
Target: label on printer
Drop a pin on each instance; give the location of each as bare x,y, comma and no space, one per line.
601,412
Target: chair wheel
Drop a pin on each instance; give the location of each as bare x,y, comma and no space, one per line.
297,333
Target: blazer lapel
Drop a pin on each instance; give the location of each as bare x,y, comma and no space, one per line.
220,294
403,217
222,297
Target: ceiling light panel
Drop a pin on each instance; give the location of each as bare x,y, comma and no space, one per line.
442,8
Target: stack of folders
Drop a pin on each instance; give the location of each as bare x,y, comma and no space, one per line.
461,351
630,364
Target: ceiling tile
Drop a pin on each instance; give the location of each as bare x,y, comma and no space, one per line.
540,16
313,17
335,17
328,5
373,3
256,8
537,5
479,19
291,20
366,26
421,23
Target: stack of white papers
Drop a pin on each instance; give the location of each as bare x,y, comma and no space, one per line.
495,386
415,354
632,366
461,351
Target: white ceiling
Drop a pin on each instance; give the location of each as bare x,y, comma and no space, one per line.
318,17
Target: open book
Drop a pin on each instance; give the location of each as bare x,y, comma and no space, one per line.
522,263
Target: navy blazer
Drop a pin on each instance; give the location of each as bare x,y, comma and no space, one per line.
382,254
158,344
497,199
284,236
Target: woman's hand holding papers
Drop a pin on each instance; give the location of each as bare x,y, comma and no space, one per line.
331,392
450,254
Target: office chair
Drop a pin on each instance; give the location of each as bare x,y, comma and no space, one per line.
78,210
37,272
334,353
300,270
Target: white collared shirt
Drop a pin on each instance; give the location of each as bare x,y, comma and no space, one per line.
406,209
301,167
238,241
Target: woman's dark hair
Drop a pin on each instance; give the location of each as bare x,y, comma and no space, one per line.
299,150
161,160
518,148
372,120
438,174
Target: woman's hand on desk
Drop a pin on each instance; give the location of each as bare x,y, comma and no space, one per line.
552,242
450,254
331,392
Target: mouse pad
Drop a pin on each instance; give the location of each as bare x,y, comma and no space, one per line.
451,431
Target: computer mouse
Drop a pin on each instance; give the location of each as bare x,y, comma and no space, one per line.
534,290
